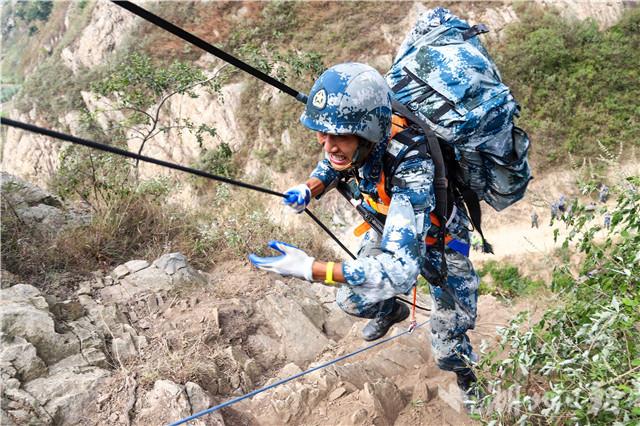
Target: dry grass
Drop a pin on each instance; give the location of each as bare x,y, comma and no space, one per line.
138,226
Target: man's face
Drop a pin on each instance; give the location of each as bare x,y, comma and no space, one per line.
341,148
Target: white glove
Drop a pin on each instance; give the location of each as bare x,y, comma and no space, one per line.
298,197
293,262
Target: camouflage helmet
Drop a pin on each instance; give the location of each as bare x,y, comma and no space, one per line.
350,98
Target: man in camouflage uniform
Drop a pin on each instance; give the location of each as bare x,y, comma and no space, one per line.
349,107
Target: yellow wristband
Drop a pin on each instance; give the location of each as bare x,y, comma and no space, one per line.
329,276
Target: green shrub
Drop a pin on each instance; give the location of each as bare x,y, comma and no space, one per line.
580,364
506,281
218,161
577,85
33,10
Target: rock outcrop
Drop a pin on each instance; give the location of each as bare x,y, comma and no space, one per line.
50,375
107,29
56,355
37,207
168,402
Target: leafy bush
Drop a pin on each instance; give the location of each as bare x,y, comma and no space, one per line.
577,85
506,281
218,161
580,364
33,10
139,89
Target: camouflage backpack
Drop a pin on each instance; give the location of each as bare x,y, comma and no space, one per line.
443,77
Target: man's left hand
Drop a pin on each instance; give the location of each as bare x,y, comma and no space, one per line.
293,261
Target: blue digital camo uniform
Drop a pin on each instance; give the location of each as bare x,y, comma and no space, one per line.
389,265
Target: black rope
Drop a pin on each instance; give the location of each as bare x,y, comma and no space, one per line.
118,151
124,153
197,41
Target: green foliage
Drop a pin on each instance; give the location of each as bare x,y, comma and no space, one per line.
259,44
31,10
139,89
218,161
506,281
580,364
52,90
577,85
8,91
95,177
138,83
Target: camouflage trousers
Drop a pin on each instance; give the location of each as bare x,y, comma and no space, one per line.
454,309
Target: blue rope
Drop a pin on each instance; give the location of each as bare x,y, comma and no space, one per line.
288,379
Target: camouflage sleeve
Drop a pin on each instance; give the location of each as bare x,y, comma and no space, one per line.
325,173
402,247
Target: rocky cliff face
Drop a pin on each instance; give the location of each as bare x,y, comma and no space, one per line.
36,158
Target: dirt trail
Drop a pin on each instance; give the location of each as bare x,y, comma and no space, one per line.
532,249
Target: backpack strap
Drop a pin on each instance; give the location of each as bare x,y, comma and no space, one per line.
477,29
472,202
428,92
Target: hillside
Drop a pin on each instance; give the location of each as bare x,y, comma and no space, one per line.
127,297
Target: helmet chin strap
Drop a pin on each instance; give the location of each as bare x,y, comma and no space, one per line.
362,152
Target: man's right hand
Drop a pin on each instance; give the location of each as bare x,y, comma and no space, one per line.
298,197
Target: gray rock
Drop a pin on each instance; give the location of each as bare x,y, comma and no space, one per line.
23,409
12,383
198,398
123,347
36,206
68,392
168,272
69,310
384,398
23,358
300,339
360,417
84,288
171,263
22,193
120,271
423,392
337,393
168,402
136,265
25,313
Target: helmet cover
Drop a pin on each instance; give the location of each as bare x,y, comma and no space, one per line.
350,98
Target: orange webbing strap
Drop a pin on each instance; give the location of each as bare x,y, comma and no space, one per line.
413,308
382,207
361,229
398,124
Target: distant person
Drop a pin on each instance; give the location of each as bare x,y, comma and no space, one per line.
534,219
603,194
561,204
591,207
607,220
554,213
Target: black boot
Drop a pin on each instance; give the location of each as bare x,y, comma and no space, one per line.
471,392
378,327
